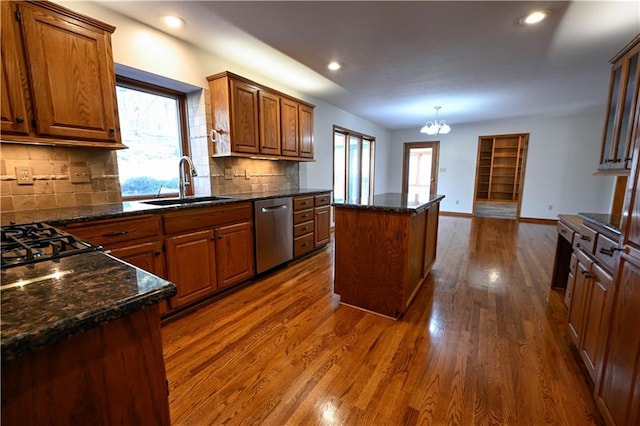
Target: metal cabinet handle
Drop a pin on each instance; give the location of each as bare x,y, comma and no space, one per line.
585,273
112,129
563,231
20,120
115,233
585,238
610,251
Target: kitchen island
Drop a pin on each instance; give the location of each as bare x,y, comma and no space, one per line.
384,250
81,343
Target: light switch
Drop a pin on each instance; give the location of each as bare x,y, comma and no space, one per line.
228,173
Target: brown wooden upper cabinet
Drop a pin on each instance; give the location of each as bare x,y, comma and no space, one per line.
250,120
58,78
622,111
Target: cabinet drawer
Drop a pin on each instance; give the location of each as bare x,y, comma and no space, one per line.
303,216
322,200
206,217
113,231
566,232
586,239
584,260
302,203
302,229
605,252
302,245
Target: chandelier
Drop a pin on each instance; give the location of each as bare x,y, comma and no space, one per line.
436,127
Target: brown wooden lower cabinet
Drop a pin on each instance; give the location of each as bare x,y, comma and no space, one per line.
116,370
595,319
382,257
322,231
311,223
191,266
234,253
618,388
583,282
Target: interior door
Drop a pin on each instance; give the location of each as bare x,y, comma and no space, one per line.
420,169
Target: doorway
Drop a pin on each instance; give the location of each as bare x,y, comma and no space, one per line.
500,175
420,169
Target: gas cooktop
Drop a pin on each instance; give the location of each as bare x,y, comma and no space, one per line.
35,242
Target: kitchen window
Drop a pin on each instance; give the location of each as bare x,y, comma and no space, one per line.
153,126
353,166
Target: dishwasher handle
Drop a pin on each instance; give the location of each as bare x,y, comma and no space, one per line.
270,209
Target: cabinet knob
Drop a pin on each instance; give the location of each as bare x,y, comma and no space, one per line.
20,120
112,129
157,252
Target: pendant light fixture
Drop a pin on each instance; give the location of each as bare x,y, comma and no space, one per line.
436,127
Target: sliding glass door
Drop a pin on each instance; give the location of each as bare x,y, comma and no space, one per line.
353,165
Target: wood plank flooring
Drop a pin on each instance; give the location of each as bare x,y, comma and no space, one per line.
484,342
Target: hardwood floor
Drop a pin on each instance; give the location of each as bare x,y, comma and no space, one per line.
484,342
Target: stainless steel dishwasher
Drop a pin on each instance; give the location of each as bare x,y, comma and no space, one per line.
274,232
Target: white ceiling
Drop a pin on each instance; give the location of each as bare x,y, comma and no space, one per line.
403,58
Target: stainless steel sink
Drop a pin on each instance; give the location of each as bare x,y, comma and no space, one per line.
187,200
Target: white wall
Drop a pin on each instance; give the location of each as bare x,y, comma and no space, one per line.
561,161
139,46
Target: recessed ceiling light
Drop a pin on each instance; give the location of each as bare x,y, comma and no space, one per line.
173,21
334,66
534,17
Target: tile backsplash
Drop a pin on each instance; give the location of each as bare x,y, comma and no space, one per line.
51,186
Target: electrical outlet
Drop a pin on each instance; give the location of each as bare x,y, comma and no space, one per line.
79,174
457,202
247,174
443,170
228,173
550,206
24,175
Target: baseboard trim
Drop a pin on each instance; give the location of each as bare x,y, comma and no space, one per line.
456,214
538,221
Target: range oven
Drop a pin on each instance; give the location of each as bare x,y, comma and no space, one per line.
24,244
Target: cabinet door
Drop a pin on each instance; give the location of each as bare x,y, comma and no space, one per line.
289,120
618,390
583,282
191,266
234,253
147,256
322,230
306,131
244,107
71,75
269,123
595,319
628,111
13,86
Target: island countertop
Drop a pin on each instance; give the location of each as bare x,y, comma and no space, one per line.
49,301
394,202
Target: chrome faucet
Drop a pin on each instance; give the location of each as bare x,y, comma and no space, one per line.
184,179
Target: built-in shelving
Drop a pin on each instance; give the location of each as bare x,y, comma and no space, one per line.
500,168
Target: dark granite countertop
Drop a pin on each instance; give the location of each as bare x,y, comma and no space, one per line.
132,208
49,301
571,220
394,202
607,221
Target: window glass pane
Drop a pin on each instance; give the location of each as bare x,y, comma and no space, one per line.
419,173
338,168
150,127
366,169
353,190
